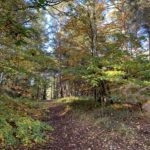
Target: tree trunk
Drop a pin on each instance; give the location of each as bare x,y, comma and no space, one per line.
149,42
44,91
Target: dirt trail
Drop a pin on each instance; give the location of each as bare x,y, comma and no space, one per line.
69,133
73,134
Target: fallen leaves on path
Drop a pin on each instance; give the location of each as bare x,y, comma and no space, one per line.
71,133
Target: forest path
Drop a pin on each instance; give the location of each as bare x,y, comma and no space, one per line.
69,133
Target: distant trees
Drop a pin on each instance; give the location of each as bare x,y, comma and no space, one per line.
22,55
97,51
139,17
98,48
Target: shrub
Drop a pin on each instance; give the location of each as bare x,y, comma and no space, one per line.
6,133
17,127
29,130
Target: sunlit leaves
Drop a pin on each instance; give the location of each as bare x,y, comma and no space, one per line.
17,127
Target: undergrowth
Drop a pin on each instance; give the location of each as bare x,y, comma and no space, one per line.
17,126
111,118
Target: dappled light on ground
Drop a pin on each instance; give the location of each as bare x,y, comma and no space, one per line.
78,126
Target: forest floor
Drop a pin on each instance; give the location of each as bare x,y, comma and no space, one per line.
73,132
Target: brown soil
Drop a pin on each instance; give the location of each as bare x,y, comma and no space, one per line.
71,133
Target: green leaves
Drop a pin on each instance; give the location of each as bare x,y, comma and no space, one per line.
41,1
29,130
16,126
25,129
6,133
113,75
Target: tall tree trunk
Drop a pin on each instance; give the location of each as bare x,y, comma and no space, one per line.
44,91
52,91
61,86
37,94
149,42
95,94
55,87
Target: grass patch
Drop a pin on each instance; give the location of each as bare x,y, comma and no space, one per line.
111,118
80,103
72,99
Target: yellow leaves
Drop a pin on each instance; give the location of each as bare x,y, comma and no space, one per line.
113,73
67,109
99,7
